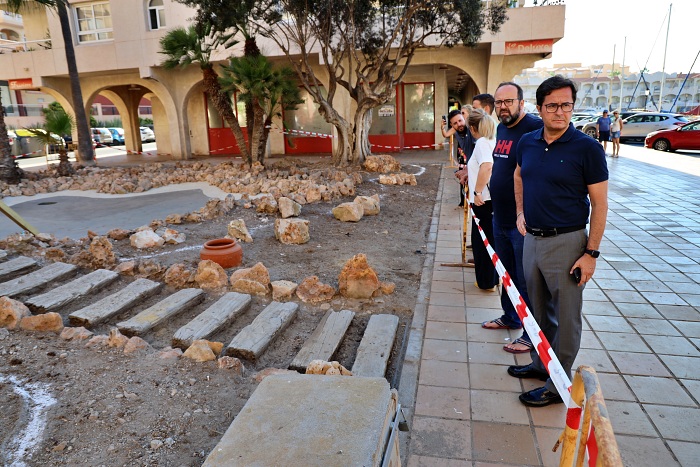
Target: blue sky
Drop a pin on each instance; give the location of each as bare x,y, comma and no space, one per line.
594,27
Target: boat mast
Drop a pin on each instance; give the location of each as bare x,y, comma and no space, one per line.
622,71
663,70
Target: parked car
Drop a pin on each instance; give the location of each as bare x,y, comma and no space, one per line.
684,137
585,123
147,135
102,136
638,126
117,135
589,127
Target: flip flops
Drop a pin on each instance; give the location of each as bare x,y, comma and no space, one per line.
498,322
520,341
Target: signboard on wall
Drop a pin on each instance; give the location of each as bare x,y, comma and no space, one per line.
19,84
540,46
386,111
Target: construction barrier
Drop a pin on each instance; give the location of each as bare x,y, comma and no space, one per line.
597,442
593,436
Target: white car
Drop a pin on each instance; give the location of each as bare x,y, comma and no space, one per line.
638,126
147,135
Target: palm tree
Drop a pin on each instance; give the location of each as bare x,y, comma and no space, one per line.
9,170
87,154
196,44
58,122
265,90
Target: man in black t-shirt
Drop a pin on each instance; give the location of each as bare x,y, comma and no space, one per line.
508,241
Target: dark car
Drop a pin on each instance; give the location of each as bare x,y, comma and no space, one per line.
684,137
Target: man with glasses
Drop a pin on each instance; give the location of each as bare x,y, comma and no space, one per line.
561,176
508,241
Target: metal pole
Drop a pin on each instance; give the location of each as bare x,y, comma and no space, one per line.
612,76
663,68
622,72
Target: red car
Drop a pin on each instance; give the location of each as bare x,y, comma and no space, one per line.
684,137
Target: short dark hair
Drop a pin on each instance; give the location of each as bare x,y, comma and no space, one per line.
485,99
515,85
552,84
452,113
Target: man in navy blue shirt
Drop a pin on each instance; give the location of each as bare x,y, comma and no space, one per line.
560,178
602,129
508,241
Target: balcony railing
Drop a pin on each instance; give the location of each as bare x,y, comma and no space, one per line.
8,46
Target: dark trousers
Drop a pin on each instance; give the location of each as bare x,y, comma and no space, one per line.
486,276
509,248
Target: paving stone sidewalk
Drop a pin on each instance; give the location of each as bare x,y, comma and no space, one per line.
641,334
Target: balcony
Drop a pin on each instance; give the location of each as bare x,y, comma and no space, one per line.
10,19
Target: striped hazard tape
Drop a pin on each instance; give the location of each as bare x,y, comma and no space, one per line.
556,372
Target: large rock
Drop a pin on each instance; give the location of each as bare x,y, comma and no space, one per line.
288,207
254,281
172,236
283,290
126,268
231,363
136,344
47,322
146,239
312,290
118,234
179,276
116,339
292,231
348,212
398,179
150,269
102,255
382,163
370,204
238,230
12,312
76,334
357,279
265,204
200,351
210,276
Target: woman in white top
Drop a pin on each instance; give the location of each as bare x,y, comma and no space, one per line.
483,129
615,131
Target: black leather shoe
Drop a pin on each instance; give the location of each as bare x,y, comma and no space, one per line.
540,397
527,371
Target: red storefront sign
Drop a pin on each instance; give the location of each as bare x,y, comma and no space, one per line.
540,46
19,84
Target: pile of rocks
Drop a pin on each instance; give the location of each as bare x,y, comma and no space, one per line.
303,184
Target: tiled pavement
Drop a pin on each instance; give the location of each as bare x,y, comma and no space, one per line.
641,334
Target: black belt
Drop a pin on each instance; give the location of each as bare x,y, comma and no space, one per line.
553,231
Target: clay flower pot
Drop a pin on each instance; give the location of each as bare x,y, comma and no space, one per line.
226,252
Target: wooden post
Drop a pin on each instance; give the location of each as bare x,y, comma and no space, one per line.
17,219
452,161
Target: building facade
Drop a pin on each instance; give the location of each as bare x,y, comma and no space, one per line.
604,87
117,49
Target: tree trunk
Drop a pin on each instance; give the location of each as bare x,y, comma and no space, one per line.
250,49
87,155
264,137
64,169
256,145
222,103
361,147
343,151
9,170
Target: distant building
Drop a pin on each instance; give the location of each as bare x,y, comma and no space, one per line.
599,87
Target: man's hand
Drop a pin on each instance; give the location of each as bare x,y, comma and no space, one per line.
520,223
462,175
587,264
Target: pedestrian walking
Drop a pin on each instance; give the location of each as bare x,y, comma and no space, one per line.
615,132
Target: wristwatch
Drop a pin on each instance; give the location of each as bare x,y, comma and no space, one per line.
593,253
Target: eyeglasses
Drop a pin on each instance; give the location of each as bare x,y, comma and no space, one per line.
566,107
507,102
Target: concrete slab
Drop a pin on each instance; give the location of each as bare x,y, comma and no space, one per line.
309,420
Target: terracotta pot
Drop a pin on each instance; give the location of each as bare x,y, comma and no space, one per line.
226,252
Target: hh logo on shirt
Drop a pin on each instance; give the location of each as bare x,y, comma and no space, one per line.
503,146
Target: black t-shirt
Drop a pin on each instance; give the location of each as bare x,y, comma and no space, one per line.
504,163
465,142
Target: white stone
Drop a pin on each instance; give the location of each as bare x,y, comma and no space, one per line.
288,207
146,238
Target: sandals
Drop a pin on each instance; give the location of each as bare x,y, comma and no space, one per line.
519,341
499,324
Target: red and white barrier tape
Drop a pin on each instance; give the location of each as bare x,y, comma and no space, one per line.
550,361
28,154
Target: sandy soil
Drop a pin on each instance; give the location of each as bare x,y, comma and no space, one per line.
101,407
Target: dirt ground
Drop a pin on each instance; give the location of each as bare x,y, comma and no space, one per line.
113,409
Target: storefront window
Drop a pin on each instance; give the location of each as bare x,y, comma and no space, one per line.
306,117
384,119
419,106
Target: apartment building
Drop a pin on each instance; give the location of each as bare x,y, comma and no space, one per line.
117,49
602,86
